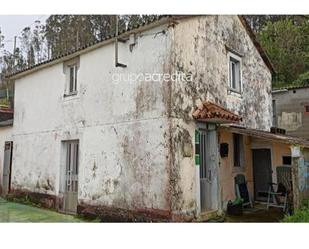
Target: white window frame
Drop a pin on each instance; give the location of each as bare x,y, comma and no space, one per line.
73,77
232,58
71,90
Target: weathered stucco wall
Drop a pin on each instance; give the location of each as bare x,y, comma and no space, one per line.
278,150
122,127
136,139
199,51
228,172
291,113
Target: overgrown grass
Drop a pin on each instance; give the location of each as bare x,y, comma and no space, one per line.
300,215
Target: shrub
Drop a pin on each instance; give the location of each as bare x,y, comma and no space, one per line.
300,215
302,80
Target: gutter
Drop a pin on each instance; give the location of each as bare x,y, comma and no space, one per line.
280,90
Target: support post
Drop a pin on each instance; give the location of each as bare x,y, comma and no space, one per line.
295,153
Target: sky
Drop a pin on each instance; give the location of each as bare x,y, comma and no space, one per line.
12,25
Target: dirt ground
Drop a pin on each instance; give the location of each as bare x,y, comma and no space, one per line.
257,214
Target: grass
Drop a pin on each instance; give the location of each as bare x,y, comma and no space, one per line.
16,212
300,215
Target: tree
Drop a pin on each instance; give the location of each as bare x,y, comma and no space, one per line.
38,42
257,22
285,42
27,46
61,34
65,33
1,40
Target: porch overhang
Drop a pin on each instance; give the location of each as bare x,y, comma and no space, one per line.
266,135
209,112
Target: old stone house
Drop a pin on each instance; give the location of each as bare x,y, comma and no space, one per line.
132,126
291,110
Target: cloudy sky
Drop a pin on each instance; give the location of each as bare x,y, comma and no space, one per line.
11,25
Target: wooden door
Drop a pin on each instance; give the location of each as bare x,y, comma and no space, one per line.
262,173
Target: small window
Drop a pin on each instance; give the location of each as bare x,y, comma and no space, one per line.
72,79
286,160
235,73
238,150
307,109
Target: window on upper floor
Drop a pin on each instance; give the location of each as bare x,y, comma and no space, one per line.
71,75
235,82
72,79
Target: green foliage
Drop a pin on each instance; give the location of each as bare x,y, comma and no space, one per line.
286,43
279,85
68,32
300,215
302,80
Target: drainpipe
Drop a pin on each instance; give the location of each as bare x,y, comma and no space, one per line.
117,64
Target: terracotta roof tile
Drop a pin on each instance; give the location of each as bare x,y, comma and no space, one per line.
212,112
5,115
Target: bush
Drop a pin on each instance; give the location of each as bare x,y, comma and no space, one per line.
302,80
300,215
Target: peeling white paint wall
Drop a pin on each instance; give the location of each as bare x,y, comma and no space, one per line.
122,128
136,140
200,50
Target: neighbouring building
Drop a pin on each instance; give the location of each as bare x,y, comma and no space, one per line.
291,110
154,124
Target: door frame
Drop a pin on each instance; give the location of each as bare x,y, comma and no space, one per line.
215,187
63,169
10,167
257,146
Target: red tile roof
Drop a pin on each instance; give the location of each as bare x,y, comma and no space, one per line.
211,112
5,115
6,110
